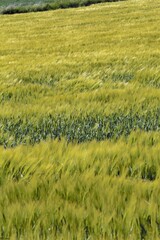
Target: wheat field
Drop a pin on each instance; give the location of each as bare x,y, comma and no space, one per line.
80,123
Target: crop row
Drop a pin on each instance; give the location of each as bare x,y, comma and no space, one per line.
81,128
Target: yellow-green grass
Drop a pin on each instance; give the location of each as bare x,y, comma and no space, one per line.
101,59
81,75
105,190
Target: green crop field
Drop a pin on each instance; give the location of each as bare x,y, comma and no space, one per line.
80,123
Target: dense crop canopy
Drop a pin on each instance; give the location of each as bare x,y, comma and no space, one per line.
80,123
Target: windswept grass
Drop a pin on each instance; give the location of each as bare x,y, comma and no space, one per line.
76,65
106,190
82,86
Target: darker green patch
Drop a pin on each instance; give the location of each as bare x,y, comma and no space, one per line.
123,77
149,172
6,96
59,4
81,128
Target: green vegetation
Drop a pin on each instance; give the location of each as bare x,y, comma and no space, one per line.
6,3
105,190
22,6
79,129
80,123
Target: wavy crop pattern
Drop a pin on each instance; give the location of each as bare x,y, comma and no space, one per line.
80,123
